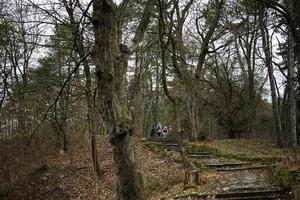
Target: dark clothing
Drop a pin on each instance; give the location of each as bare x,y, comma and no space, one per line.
153,131
158,130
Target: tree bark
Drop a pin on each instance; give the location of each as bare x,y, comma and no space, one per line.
291,104
138,99
269,65
156,100
138,113
111,60
296,37
115,113
192,177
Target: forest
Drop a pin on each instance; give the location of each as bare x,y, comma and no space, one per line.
149,99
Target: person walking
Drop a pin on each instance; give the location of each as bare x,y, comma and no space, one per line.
158,129
165,132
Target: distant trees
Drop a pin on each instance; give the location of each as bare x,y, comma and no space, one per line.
50,81
230,52
291,16
220,69
18,44
80,49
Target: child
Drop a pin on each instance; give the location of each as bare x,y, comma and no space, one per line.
165,132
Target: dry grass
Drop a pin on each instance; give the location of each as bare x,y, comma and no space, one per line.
160,173
254,150
69,176
40,172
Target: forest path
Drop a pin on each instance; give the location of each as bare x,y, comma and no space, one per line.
225,178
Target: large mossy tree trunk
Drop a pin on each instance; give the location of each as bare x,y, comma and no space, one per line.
107,57
111,59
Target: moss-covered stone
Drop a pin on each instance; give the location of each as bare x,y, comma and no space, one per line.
189,186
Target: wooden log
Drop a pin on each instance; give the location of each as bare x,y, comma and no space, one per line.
192,177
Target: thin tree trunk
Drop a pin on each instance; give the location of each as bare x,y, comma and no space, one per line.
138,99
292,130
88,87
268,62
292,15
175,100
297,95
91,121
296,37
138,113
157,83
180,134
193,123
294,30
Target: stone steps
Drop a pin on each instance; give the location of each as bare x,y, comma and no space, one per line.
242,195
199,156
223,165
198,152
283,197
247,168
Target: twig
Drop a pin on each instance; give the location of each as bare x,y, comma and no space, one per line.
57,97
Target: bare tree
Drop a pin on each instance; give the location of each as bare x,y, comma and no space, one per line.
269,65
111,59
292,17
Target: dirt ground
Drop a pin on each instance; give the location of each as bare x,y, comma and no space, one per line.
40,172
70,176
